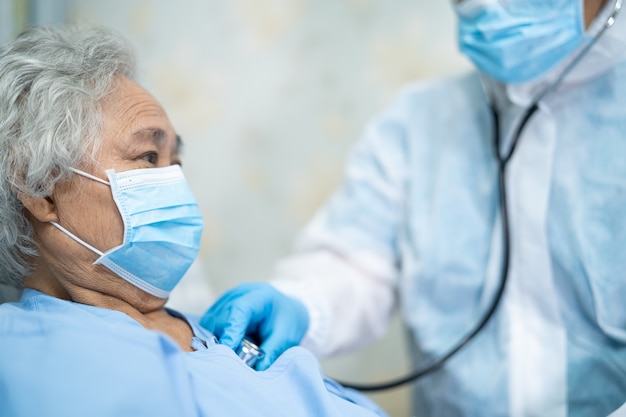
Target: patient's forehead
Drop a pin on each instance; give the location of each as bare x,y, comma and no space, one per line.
132,117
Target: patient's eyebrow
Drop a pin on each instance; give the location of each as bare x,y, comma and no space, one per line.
154,134
158,137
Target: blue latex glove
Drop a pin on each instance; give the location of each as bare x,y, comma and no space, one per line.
274,319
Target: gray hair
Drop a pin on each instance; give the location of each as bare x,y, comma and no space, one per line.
52,81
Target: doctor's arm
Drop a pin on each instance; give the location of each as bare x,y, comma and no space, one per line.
336,291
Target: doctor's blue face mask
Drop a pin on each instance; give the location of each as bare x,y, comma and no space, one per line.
162,228
515,41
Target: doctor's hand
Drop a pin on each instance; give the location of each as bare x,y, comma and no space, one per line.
272,318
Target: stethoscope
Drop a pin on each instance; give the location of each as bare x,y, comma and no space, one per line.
503,160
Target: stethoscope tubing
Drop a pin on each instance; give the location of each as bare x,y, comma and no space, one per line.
503,160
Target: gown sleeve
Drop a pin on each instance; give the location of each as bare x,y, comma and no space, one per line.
345,263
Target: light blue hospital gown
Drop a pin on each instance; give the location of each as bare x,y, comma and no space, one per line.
64,359
416,225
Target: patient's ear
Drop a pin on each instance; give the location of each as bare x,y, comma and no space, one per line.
40,208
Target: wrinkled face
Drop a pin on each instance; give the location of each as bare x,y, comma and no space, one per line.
136,134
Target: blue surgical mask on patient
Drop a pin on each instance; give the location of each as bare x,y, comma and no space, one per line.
162,227
516,41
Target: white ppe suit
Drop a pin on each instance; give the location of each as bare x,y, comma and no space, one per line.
417,224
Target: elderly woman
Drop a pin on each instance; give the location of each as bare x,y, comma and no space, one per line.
98,225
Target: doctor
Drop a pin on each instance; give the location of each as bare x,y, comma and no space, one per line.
512,178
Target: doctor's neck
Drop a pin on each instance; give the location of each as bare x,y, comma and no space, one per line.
592,8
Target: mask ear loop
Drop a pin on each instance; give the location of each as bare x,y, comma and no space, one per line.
72,235
88,175
76,238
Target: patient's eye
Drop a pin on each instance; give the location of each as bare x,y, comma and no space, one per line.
150,157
